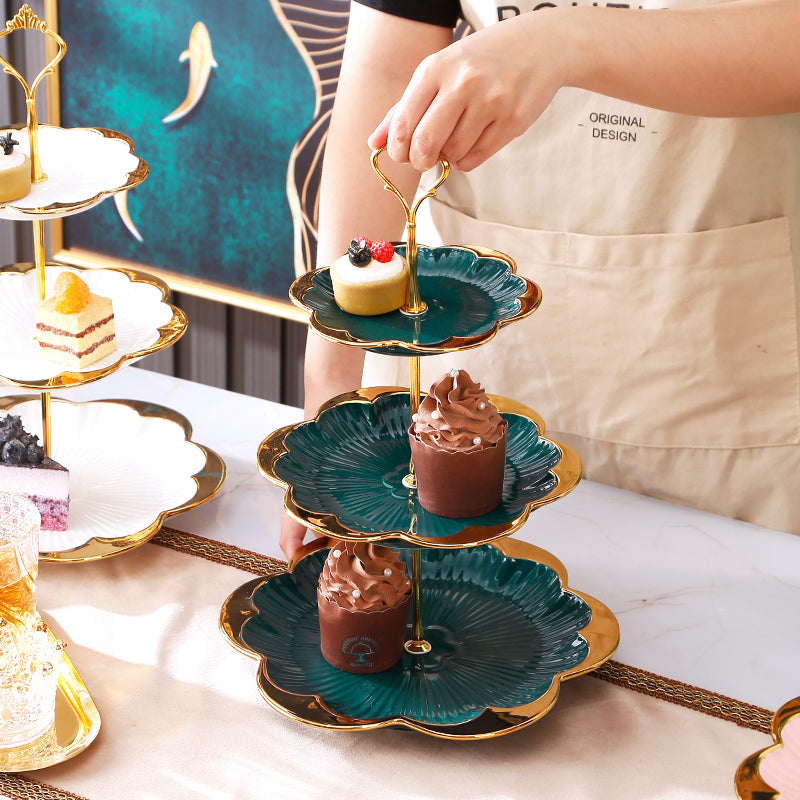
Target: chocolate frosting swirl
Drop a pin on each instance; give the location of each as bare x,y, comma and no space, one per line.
456,415
359,576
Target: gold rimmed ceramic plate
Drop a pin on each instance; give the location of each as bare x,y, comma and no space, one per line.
83,166
470,293
504,626
343,473
145,323
132,464
76,725
774,772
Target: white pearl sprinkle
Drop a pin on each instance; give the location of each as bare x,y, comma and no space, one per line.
337,553
387,572
414,417
476,440
356,593
435,414
454,373
481,406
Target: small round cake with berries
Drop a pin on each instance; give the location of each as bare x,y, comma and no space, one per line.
15,169
369,278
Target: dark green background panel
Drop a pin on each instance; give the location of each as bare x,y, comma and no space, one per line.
214,206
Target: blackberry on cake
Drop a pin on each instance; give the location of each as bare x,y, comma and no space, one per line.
15,170
75,327
26,471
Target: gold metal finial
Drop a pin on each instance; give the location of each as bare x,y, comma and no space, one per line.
25,19
415,304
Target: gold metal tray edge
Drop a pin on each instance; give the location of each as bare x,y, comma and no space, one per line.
76,726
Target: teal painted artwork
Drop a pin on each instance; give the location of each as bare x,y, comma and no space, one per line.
214,206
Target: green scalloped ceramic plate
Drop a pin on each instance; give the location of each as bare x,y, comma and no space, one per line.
470,293
505,631
343,472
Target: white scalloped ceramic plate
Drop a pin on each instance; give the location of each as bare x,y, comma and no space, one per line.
139,313
83,166
130,466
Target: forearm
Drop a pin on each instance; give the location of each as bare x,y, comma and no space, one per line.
380,57
738,58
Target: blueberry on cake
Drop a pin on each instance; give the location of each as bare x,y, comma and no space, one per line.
26,471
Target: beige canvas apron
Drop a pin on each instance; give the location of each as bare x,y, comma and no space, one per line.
665,351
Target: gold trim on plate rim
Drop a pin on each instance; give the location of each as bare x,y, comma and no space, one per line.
529,301
568,473
56,210
601,635
168,335
749,783
208,480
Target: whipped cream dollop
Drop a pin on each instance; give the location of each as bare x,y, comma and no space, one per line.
456,415
364,577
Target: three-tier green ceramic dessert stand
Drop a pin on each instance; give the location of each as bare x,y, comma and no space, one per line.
495,627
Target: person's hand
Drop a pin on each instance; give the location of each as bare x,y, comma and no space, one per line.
292,535
470,99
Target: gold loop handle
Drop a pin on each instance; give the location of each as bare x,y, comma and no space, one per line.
25,19
414,305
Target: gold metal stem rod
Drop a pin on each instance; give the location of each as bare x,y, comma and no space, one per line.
417,645
415,304
39,256
46,439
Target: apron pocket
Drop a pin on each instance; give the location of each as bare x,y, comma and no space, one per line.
667,340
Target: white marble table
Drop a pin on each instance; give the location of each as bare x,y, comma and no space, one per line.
702,599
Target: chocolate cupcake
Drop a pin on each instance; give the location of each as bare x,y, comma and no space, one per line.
458,445
364,598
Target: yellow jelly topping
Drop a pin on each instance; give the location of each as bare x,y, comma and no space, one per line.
72,294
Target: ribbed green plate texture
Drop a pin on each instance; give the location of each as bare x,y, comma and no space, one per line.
501,628
351,460
468,295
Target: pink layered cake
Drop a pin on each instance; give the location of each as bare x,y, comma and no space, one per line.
25,470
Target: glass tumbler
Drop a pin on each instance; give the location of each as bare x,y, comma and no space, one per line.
29,655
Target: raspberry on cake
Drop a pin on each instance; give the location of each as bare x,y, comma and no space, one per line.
370,278
75,327
15,170
25,470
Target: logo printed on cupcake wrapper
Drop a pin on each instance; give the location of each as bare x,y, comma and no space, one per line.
361,649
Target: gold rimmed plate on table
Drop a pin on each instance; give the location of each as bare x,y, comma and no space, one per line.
145,323
76,726
344,472
774,771
132,464
505,631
